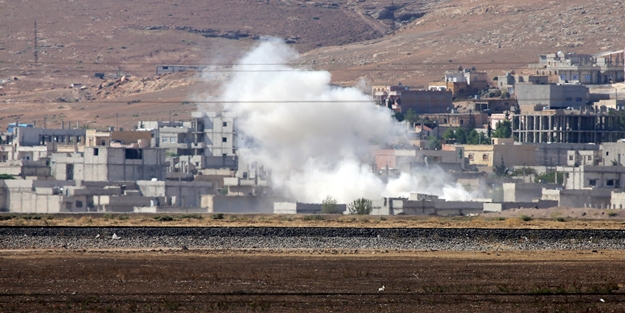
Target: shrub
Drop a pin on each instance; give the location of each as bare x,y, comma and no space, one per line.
560,219
313,217
163,218
525,218
6,176
192,216
5,217
123,217
328,206
360,206
612,214
218,216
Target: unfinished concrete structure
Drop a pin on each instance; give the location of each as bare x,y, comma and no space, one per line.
122,164
568,126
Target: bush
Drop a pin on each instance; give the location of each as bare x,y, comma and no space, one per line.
525,218
560,219
6,176
192,216
313,217
328,206
123,217
218,216
360,206
163,218
4,217
612,214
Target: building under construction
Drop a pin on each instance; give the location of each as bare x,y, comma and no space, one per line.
586,125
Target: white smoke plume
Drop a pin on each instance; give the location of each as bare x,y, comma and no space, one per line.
314,138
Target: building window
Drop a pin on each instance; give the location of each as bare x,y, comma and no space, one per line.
587,77
574,77
224,139
471,156
589,158
164,140
570,158
569,99
592,182
79,204
610,182
578,99
225,124
96,151
485,157
133,154
607,153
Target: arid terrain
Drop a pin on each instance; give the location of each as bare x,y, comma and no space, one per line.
555,218
381,41
182,281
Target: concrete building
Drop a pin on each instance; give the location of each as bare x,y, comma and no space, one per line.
491,155
170,69
110,164
613,153
603,68
425,205
552,96
238,204
457,119
588,176
508,81
409,160
176,194
587,198
525,192
211,136
140,139
401,99
461,83
567,126
558,154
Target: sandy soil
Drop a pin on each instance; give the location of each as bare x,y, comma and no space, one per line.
549,219
96,281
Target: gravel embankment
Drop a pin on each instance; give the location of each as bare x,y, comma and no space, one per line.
278,238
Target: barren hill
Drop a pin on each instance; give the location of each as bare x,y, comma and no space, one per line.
384,41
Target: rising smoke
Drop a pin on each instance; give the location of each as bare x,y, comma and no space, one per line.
315,138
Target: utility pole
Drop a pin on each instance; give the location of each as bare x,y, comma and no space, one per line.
35,51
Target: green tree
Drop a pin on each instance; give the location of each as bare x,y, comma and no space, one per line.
411,116
449,134
6,176
503,130
398,116
360,206
328,206
461,136
501,170
434,143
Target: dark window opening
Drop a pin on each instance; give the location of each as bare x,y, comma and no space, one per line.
96,151
79,204
225,124
592,182
133,154
224,139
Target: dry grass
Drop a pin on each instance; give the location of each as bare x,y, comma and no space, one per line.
268,220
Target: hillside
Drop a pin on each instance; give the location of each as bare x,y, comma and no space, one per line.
382,41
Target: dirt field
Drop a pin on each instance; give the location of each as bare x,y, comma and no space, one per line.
559,218
98,281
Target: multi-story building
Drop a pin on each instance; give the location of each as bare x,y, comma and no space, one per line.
604,68
568,126
401,99
552,96
461,83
